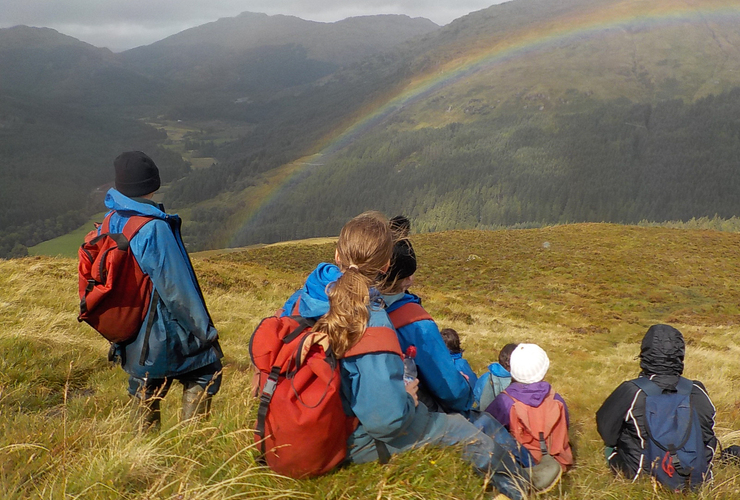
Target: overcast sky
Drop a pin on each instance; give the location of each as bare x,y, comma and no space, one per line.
124,24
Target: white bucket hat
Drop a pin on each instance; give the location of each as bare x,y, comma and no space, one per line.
529,363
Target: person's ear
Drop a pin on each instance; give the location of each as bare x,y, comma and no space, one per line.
336,258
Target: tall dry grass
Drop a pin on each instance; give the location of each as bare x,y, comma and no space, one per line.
587,297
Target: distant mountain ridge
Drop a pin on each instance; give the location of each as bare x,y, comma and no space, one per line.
256,53
339,42
27,37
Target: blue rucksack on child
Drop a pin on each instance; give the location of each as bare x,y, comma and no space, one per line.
488,386
674,452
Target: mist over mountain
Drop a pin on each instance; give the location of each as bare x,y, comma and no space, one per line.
254,56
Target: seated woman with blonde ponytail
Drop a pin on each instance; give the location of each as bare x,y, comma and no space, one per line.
348,308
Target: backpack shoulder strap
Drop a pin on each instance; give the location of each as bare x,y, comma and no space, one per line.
648,386
133,224
684,386
105,226
376,339
411,312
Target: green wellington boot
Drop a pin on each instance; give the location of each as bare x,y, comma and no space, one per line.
545,475
196,403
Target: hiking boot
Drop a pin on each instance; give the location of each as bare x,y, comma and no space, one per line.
196,403
146,415
545,475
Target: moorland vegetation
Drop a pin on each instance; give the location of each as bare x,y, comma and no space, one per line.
585,292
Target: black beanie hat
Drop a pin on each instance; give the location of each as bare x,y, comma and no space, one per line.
403,261
136,174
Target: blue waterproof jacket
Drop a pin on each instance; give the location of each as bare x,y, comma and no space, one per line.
182,336
372,384
463,367
312,299
438,375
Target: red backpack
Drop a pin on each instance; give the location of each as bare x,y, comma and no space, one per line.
542,430
301,427
114,292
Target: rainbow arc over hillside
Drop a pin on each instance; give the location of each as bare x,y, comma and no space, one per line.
599,21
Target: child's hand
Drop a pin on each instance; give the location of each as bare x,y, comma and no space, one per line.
466,377
413,388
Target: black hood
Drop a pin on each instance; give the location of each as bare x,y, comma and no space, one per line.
662,351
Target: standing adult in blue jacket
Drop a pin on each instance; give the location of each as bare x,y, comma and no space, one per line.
177,340
441,385
391,419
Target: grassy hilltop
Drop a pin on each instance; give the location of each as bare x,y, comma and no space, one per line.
586,293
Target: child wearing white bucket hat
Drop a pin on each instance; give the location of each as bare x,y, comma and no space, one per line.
529,364
531,410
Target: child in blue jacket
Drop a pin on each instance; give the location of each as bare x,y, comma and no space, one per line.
495,380
391,419
452,341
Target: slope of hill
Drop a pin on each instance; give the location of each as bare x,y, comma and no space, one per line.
525,104
54,157
41,63
620,162
528,112
586,293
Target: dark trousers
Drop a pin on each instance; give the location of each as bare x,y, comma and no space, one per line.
208,377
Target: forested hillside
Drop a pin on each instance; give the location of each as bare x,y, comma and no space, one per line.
53,157
620,162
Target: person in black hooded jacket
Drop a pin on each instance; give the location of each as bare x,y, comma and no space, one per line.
621,419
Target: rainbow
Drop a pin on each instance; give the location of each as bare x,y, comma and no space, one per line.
592,23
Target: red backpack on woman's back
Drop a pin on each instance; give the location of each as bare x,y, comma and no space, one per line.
301,428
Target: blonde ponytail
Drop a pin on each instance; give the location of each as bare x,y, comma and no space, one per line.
363,251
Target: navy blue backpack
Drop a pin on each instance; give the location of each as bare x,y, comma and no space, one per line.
674,452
